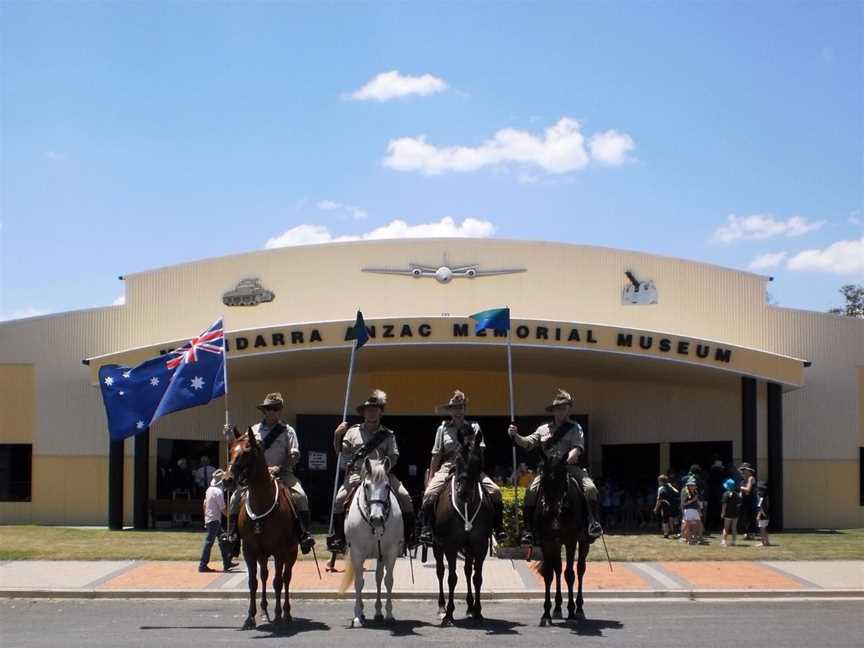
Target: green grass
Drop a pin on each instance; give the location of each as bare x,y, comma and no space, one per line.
61,543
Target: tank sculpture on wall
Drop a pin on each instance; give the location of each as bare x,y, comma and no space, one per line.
248,292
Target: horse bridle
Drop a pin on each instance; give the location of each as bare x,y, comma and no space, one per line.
384,502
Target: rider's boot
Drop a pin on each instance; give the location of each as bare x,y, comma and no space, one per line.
594,528
498,523
336,541
408,519
306,539
427,515
528,521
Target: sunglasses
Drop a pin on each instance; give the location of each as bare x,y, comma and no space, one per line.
271,408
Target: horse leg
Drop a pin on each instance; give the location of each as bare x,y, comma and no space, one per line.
252,569
478,583
556,611
469,597
580,573
379,576
548,575
570,577
286,579
359,619
439,570
388,583
279,564
452,579
264,574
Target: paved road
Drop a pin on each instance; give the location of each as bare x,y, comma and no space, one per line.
31,623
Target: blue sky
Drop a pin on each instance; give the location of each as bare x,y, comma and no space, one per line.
138,135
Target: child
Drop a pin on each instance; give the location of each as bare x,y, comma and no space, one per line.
731,503
692,517
762,514
666,505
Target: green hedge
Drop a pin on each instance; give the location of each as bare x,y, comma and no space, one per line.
512,515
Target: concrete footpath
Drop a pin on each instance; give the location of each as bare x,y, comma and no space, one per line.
501,579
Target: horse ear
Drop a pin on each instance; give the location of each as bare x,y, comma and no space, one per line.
386,464
251,436
236,432
367,465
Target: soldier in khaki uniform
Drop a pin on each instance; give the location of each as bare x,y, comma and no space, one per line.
566,438
450,439
281,451
367,439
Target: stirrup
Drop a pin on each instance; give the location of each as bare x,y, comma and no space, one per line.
427,536
527,539
594,529
335,544
306,542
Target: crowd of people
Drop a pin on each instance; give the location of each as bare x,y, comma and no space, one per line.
728,500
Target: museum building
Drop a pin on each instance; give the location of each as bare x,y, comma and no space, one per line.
670,362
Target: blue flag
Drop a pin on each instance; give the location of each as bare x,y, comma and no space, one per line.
497,319
358,331
189,376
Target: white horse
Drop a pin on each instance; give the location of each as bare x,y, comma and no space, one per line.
373,529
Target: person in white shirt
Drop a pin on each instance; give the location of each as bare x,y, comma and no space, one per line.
214,509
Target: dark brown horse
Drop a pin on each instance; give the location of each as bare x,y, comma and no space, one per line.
463,523
561,520
267,525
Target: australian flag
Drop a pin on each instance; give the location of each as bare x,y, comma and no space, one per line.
192,375
494,318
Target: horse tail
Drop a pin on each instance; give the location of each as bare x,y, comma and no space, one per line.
348,578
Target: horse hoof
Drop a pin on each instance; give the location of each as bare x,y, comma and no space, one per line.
389,621
580,615
447,621
557,614
544,621
477,618
357,622
249,624
379,617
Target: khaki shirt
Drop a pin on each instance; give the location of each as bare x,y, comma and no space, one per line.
573,438
447,439
285,450
357,435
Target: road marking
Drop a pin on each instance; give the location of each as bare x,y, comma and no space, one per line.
657,575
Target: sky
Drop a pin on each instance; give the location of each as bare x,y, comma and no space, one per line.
139,135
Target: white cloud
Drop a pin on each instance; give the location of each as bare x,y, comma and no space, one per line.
766,261
392,85
842,257
560,149
27,311
397,229
611,148
120,301
762,226
357,213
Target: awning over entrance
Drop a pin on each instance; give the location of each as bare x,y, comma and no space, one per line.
412,342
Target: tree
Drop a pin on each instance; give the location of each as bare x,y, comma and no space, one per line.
854,296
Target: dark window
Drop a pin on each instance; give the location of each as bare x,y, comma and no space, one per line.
15,472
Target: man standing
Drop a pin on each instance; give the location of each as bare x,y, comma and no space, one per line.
282,452
450,439
214,509
566,438
373,440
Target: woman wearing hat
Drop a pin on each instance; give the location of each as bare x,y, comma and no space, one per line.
282,451
747,517
563,437
450,439
356,443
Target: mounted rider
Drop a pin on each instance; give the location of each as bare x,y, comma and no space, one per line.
451,438
355,443
281,452
564,437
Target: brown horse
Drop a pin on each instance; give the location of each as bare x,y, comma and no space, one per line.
267,525
561,520
464,520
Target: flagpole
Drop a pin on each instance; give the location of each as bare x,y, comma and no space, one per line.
344,419
512,420
227,417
